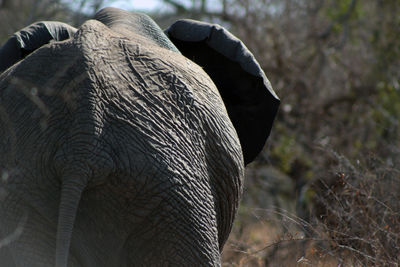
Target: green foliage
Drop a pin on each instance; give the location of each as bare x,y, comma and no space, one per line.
341,7
343,11
285,152
289,155
387,114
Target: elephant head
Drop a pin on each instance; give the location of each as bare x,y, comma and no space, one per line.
123,145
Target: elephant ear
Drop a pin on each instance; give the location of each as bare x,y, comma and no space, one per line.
31,38
248,96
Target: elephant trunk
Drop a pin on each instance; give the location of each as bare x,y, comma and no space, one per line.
71,192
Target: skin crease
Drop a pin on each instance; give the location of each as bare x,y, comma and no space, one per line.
142,129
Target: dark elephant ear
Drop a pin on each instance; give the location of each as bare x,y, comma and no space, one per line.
31,38
248,96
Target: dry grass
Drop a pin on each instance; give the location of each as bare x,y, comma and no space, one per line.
264,244
355,221
359,210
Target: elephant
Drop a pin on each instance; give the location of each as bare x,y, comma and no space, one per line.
125,145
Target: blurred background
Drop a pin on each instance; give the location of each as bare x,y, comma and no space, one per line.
326,189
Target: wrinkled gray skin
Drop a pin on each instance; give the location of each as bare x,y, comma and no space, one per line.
114,151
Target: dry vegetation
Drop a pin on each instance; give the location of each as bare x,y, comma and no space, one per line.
354,221
326,190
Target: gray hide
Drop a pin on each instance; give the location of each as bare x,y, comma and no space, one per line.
117,150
